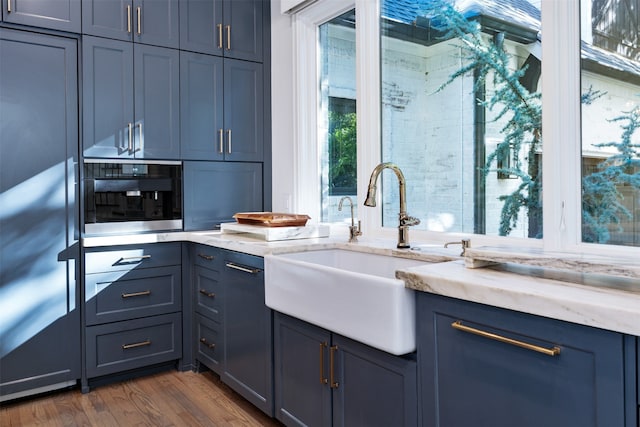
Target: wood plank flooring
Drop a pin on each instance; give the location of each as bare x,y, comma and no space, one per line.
166,399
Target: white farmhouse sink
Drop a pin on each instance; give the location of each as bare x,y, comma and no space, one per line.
352,293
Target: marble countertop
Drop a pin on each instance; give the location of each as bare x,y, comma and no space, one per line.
606,302
593,291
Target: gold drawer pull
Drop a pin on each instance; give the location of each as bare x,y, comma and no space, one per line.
332,350
245,269
228,37
207,293
136,294
206,257
209,345
8,6
131,259
135,345
219,36
554,351
128,19
323,379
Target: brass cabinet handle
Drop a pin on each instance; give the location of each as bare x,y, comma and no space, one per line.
136,294
228,37
135,345
208,344
219,36
221,141
207,293
229,141
332,351
553,351
8,6
242,268
206,257
323,379
140,139
128,19
139,13
130,126
131,259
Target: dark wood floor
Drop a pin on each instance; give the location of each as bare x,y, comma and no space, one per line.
169,398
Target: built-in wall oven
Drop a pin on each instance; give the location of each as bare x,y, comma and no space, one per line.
132,196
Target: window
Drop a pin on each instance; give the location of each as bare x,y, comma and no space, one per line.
458,99
610,122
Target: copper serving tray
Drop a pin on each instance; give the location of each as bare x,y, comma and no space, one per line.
271,219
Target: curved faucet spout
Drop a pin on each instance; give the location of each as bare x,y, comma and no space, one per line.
404,220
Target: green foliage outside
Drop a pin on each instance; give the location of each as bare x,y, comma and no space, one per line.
342,153
522,133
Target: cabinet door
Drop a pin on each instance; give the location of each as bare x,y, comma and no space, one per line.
108,18
208,292
157,103
243,110
201,104
39,314
248,361
201,26
372,388
471,379
63,15
301,372
108,98
209,343
156,22
214,191
243,29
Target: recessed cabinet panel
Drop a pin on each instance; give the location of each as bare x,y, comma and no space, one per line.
243,110
115,296
208,292
208,335
243,23
214,191
201,107
157,100
108,98
108,18
201,26
471,378
62,15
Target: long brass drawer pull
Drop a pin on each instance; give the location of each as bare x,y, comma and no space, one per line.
245,269
131,259
228,141
553,351
206,257
136,345
8,6
332,351
128,19
136,294
228,37
208,344
139,12
323,379
207,293
219,36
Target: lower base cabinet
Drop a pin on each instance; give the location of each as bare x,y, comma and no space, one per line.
486,366
323,379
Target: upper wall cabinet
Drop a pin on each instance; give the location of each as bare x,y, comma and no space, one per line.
221,117
131,100
63,15
152,22
223,27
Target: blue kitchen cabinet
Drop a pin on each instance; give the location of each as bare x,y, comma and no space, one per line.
222,108
486,366
229,28
153,22
324,379
248,326
39,300
215,191
131,100
62,15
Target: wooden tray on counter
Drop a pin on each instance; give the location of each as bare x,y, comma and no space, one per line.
271,219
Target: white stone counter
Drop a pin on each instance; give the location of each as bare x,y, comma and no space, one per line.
600,301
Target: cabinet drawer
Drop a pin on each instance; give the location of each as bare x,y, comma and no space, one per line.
208,292
207,256
116,296
208,336
124,258
120,346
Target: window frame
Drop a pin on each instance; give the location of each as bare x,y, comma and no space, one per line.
561,114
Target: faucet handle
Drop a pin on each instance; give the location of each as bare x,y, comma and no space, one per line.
409,221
